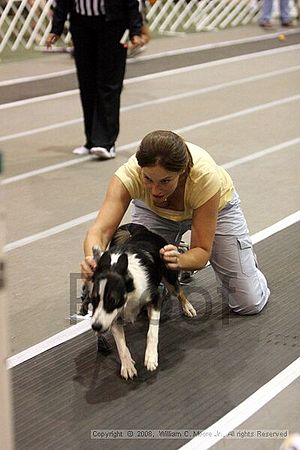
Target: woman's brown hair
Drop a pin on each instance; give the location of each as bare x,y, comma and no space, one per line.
166,149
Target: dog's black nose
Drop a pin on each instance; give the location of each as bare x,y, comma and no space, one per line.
97,326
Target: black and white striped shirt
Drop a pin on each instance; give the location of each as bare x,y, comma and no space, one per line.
90,7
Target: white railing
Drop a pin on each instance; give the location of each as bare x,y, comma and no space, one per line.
26,23
201,15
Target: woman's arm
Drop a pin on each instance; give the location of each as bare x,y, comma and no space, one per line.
204,224
115,204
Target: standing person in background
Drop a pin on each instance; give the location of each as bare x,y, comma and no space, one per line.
265,20
99,31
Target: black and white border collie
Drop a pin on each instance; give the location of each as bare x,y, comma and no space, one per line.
126,278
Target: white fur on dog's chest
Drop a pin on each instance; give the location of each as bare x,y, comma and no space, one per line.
133,305
137,298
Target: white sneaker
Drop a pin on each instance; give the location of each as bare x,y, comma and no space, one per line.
81,151
103,153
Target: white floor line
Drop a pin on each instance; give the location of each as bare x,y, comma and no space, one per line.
239,113
31,78
262,153
50,232
47,169
72,162
217,87
81,327
158,55
194,49
54,126
276,227
91,216
162,100
62,165
156,75
40,98
244,410
53,341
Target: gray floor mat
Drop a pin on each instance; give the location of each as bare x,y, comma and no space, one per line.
207,366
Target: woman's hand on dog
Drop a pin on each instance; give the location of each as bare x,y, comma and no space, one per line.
87,266
170,255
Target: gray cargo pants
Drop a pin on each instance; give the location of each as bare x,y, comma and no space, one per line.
242,284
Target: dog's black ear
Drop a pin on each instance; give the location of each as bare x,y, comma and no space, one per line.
122,264
104,262
96,253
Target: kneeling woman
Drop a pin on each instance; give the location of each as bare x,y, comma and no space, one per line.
176,186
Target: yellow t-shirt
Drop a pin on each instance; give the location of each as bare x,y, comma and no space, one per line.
203,182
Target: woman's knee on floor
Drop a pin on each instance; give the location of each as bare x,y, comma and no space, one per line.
248,296
244,287
246,304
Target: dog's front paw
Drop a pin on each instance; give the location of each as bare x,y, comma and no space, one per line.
151,360
128,369
188,309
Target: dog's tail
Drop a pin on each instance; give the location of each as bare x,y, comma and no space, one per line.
125,232
121,236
